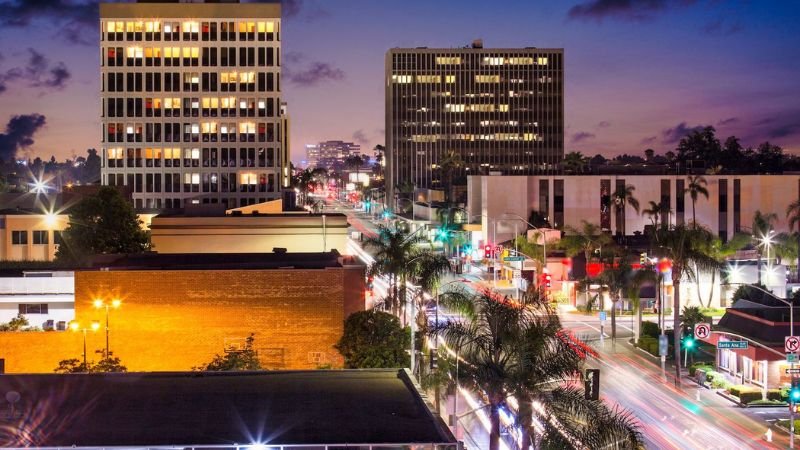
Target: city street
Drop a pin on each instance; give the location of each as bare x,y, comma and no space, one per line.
689,417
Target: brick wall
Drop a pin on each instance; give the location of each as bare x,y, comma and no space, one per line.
174,320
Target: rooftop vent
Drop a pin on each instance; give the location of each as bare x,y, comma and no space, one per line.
477,43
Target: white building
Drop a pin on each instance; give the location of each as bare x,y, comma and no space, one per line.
46,299
191,103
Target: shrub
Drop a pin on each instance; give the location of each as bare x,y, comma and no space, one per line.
775,394
650,329
747,397
699,365
739,389
767,402
717,380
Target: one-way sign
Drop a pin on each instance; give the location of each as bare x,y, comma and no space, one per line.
795,370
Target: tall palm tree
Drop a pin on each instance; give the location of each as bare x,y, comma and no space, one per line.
793,215
448,164
520,350
763,224
394,249
686,248
653,211
639,279
719,251
621,197
586,239
616,279
696,188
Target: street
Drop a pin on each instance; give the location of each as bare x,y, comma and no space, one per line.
685,417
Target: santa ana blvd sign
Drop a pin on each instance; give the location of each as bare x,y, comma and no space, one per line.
732,344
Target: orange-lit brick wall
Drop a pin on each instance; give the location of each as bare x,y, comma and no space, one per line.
174,320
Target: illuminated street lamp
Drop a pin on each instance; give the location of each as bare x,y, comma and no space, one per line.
99,303
76,326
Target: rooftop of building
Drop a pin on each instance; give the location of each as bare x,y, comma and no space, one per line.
764,319
220,261
348,407
196,9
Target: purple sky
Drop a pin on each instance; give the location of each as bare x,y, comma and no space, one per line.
640,73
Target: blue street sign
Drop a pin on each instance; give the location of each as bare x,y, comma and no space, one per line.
663,345
732,344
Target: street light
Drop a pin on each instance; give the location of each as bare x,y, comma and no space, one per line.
99,304
76,326
766,241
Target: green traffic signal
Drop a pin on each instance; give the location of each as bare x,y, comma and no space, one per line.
689,342
795,394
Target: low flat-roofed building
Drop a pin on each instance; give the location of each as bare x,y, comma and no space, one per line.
30,226
360,409
45,298
250,232
179,310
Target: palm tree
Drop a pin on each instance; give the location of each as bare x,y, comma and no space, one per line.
695,188
762,227
574,162
653,211
449,163
586,239
616,279
639,279
686,248
623,196
793,215
394,249
354,162
520,349
719,251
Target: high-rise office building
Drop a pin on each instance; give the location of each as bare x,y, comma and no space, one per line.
331,155
191,108
499,110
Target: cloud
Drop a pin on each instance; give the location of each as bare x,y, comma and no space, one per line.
20,13
309,74
300,9
676,133
582,136
38,72
634,10
780,126
604,124
728,121
19,134
361,138
720,28
648,140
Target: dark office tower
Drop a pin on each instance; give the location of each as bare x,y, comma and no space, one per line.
499,110
191,108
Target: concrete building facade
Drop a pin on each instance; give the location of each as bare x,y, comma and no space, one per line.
191,103
499,110
330,154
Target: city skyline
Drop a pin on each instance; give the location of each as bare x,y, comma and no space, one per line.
639,97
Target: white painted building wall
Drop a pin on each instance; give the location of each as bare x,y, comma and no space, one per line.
55,289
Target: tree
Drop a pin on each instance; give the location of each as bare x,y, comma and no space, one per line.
695,188
763,225
233,360
719,251
586,239
354,162
574,162
19,323
616,279
639,279
653,211
449,163
520,349
91,168
393,250
685,247
104,223
105,365
374,339
700,145
621,197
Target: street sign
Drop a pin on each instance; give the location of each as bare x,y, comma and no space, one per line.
517,274
663,345
602,316
702,330
791,344
514,258
732,344
795,370
791,357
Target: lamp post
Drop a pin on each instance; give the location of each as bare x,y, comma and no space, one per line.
99,304
75,326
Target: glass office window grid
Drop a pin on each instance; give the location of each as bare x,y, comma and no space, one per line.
500,110
191,109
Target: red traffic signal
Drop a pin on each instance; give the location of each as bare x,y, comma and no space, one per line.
487,252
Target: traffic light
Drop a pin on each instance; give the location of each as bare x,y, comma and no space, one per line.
434,359
591,384
794,393
643,259
688,342
547,280
487,252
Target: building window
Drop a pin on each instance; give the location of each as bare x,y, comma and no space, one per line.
737,205
19,237
680,200
33,308
448,60
487,78
402,79
605,205
723,210
40,237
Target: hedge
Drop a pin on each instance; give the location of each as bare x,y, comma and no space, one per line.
649,344
717,380
650,329
699,365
